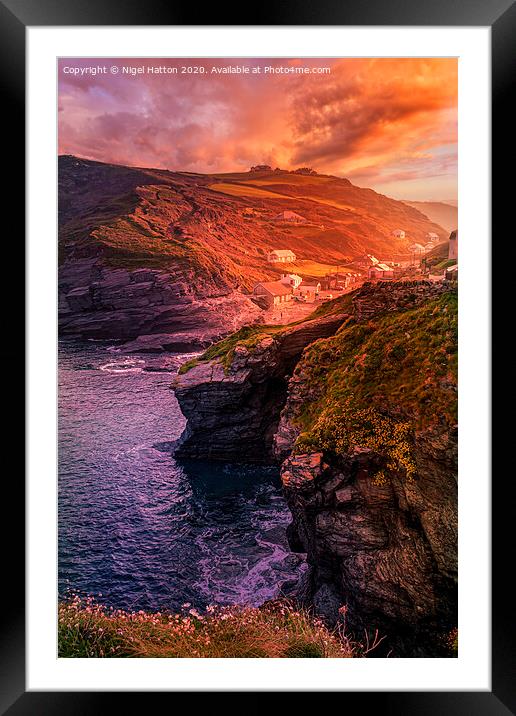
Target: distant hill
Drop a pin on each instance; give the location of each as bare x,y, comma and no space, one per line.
443,213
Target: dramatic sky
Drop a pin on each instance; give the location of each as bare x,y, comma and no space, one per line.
388,124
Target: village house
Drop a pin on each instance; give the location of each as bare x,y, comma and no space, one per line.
431,236
291,217
380,272
452,273
398,233
453,248
308,291
291,279
364,261
281,256
273,292
340,281
417,249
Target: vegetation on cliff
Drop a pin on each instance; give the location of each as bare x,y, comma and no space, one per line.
374,383
87,629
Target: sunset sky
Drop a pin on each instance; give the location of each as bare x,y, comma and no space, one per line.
388,124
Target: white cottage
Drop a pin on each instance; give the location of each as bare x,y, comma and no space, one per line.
281,256
291,279
274,292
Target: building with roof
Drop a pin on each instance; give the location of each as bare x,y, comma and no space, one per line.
364,261
380,272
308,291
453,247
291,279
398,233
274,293
452,273
281,256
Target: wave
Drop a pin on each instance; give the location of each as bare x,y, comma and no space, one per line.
124,365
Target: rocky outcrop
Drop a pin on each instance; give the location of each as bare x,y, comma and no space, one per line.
233,412
99,301
381,544
386,553
380,297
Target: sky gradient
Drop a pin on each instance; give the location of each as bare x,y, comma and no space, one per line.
388,124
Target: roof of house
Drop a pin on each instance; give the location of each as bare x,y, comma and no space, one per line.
282,252
275,288
292,276
289,215
455,267
310,285
381,267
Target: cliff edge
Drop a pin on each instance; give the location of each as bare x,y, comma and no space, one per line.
360,409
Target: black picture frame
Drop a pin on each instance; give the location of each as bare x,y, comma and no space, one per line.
15,17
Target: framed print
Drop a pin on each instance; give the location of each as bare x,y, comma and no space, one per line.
259,397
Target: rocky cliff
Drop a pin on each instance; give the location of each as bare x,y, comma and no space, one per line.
233,403
362,417
159,308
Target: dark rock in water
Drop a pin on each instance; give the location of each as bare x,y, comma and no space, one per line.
166,342
166,447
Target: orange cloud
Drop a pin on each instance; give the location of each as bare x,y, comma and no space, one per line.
381,122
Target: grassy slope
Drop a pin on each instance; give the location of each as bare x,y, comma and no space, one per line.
374,383
86,629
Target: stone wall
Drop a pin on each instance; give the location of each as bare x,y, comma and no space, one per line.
376,298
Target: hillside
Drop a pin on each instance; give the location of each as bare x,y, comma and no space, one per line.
134,244
446,215
143,215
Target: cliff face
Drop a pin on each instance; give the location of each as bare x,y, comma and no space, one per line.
370,475
387,552
160,307
362,417
233,410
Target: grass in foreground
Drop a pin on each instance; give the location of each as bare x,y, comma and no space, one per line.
87,629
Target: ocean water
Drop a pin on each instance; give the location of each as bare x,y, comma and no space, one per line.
139,530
